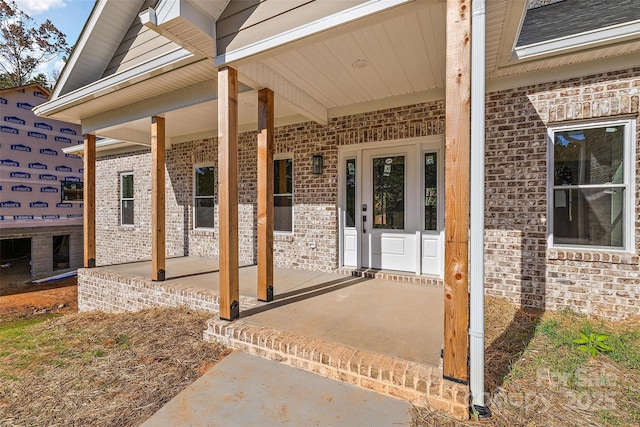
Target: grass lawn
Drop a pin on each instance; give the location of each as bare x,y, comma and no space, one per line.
118,369
99,369
537,376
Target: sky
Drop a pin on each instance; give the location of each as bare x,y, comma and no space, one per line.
68,16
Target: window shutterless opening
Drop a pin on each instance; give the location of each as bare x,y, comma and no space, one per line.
126,198
283,195
203,197
591,178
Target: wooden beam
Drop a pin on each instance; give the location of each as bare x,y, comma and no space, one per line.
157,199
265,195
89,200
457,158
257,75
228,192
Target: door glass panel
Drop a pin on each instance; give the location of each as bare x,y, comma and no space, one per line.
431,191
350,191
388,192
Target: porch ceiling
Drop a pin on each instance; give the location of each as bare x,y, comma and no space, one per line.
393,53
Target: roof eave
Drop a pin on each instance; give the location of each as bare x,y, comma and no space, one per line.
113,83
586,40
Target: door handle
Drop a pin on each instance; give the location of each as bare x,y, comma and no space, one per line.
364,220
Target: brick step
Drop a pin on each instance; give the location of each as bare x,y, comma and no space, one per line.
420,384
396,276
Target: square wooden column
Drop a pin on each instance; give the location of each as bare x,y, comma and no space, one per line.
457,175
89,214
228,192
158,257
265,195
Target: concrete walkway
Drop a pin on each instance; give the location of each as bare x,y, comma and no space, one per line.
245,390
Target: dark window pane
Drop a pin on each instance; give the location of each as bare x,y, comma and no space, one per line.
205,181
127,212
591,216
388,192
350,189
127,186
589,156
283,213
431,191
283,176
204,212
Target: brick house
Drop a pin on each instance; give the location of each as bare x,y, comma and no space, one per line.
40,231
355,170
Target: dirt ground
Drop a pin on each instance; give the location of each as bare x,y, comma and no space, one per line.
100,369
53,297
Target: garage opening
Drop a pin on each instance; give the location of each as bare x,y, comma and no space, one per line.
15,264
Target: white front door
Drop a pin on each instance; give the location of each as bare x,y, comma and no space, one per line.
389,210
391,207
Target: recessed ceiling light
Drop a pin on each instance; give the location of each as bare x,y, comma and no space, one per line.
360,63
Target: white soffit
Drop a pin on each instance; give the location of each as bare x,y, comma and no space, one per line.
395,56
328,22
100,37
143,78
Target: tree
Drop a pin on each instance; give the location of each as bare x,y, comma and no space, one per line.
24,45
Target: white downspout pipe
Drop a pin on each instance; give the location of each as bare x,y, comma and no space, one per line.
476,323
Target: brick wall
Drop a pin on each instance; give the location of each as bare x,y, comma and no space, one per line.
315,196
103,290
519,266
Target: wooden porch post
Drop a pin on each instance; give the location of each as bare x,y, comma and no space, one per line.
89,200
157,199
228,192
457,149
265,195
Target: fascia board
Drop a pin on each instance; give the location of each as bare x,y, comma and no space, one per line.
328,22
104,145
588,39
113,83
185,97
79,47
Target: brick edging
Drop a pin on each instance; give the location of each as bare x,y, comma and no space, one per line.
417,383
394,276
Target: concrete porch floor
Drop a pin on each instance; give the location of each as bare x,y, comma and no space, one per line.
393,318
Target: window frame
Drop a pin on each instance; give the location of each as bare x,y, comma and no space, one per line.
286,156
195,196
628,212
122,198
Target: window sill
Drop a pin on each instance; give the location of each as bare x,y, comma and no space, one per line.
203,231
127,227
613,256
282,236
